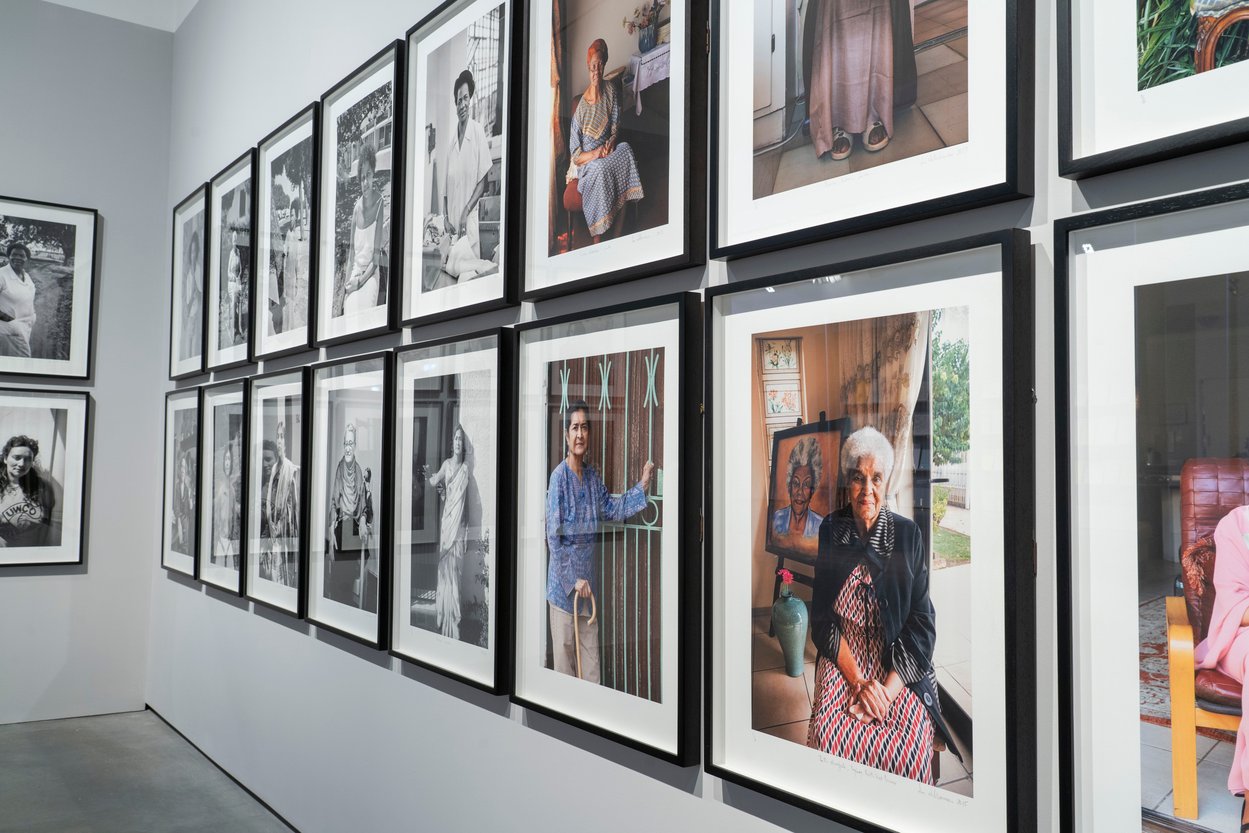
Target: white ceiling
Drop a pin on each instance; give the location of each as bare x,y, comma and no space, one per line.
158,14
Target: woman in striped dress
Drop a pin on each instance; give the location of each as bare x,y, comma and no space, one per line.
605,170
874,627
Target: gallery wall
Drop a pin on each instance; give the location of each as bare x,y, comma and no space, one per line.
337,737
87,123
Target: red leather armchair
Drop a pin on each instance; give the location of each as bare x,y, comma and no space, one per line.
1209,489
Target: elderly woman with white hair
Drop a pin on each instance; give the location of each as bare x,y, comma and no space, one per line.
803,472
874,627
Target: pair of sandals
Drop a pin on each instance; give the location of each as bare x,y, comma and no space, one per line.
874,139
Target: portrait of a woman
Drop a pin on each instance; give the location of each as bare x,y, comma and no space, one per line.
226,513
874,627
804,472
360,288
1226,646
452,482
468,164
17,302
26,499
351,563
605,169
192,299
577,501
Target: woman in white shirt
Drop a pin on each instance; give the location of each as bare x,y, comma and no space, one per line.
17,303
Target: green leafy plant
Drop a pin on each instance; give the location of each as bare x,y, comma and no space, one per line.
940,502
951,401
1166,42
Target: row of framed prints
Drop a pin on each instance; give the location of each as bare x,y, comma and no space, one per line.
556,511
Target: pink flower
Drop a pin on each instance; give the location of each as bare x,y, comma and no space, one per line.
786,576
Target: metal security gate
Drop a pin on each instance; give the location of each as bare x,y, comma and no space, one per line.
625,394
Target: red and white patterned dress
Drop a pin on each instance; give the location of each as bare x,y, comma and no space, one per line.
902,744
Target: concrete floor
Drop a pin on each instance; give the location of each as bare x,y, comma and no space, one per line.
123,772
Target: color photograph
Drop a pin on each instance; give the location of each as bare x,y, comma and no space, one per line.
858,84
1177,38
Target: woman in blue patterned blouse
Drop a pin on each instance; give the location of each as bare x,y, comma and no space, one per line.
576,501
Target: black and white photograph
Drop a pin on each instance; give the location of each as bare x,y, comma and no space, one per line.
355,255
47,282
222,448
231,198
43,453
187,311
347,579
180,525
285,236
446,506
276,499
459,80
615,103
603,485
862,113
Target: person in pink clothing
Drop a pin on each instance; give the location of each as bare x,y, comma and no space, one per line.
1226,646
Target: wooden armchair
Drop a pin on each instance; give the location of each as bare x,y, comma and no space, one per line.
1214,18
1209,489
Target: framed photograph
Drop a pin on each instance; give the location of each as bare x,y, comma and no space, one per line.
871,594
47,288
607,494
223,447
180,527
1153,529
277,500
231,262
1148,81
615,142
286,235
451,588
43,476
186,310
348,580
462,71
865,114
358,224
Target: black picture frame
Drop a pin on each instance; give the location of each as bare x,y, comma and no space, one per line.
1017,179
84,474
1019,587
382,497
1064,449
1131,155
312,112
193,368
170,474
688,588
326,195
504,544
206,476
246,159
305,443
9,364
694,170
513,184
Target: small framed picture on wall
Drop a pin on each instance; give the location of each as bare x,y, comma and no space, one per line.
180,527
276,529
608,488
615,141
286,236
222,448
348,577
47,288
359,170
463,72
187,267
43,476
231,262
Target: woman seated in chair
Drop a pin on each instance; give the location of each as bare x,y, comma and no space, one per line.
605,170
1226,646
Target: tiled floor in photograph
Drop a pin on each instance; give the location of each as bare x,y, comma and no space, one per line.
938,119
1217,809
781,705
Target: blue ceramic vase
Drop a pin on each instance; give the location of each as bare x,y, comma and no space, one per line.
789,623
646,39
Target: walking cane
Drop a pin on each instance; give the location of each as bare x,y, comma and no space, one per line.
576,628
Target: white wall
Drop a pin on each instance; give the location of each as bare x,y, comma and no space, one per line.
336,737
86,122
